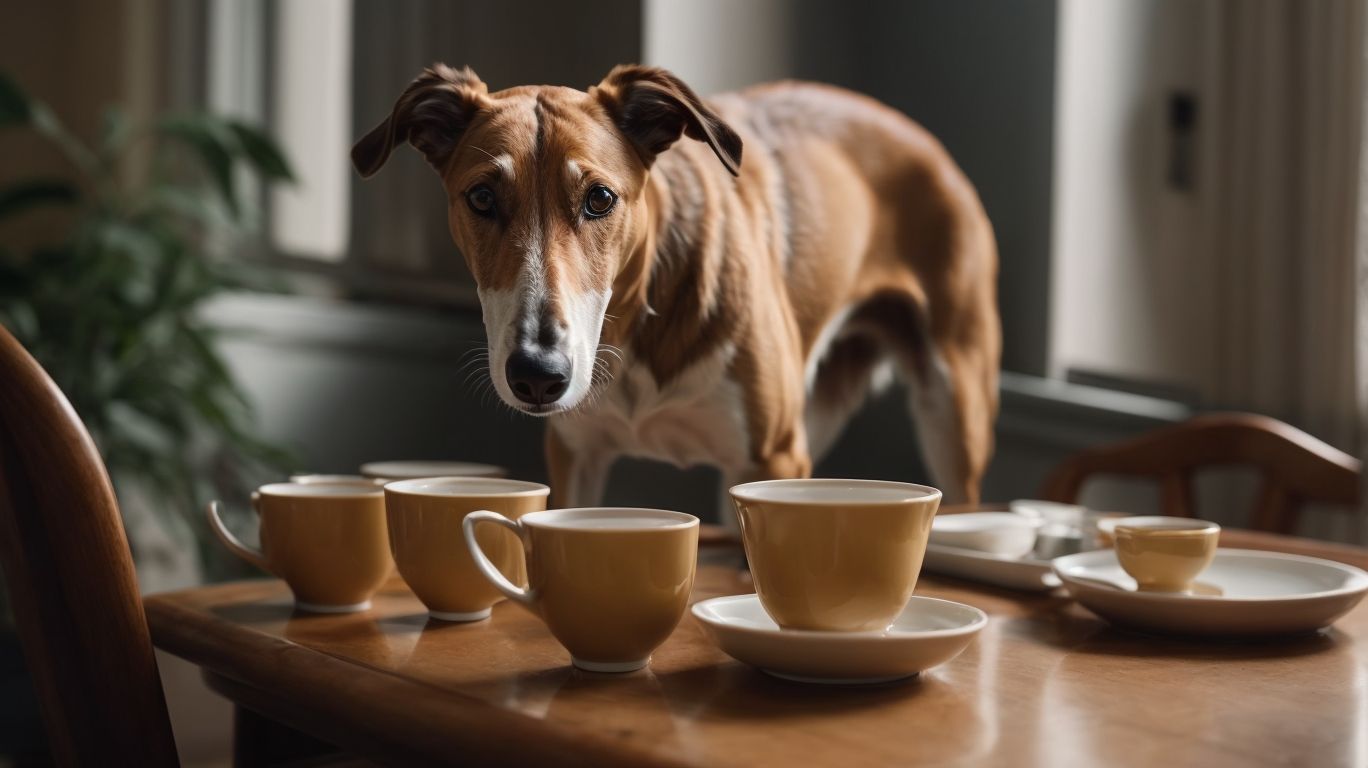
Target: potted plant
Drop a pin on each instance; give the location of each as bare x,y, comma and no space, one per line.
111,307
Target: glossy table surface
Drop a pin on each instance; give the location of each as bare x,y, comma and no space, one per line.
1046,683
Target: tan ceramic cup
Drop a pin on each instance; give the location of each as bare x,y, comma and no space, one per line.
610,583
326,541
425,518
835,555
1165,554
313,479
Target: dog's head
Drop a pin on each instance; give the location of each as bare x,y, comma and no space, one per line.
547,201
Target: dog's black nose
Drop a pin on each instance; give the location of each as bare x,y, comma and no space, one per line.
538,376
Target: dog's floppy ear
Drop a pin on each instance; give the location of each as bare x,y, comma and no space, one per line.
430,114
654,108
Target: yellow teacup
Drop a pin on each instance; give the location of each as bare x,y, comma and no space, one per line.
316,479
840,555
425,518
610,583
1165,554
326,541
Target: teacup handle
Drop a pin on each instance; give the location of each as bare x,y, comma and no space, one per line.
234,544
528,596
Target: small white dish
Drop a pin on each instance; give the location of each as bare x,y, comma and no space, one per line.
1243,592
1004,534
1024,573
1065,528
928,633
415,470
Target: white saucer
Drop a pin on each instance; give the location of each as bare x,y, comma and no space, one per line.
416,470
929,632
1256,593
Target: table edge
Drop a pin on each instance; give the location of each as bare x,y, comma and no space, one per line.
435,726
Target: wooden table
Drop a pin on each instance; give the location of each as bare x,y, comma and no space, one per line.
1046,683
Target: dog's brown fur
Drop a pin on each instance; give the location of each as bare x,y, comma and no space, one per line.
847,225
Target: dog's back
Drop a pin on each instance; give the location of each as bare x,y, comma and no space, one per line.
882,251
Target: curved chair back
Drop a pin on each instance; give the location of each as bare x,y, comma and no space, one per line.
1294,467
71,581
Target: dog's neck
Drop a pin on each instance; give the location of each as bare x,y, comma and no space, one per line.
670,306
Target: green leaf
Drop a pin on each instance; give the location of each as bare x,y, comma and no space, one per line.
15,106
115,132
116,237
34,193
215,146
22,321
198,343
262,152
188,203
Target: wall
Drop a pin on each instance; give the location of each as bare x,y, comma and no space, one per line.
78,58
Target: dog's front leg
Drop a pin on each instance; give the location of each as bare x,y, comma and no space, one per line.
770,372
578,477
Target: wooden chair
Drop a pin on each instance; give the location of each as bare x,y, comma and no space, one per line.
75,595
71,581
1295,467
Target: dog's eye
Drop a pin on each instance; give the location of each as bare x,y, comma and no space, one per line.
599,201
481,200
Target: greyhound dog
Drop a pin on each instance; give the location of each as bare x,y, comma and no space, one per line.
664,298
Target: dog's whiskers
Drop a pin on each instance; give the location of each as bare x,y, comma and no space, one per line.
476,368
472,357
477,377
612,350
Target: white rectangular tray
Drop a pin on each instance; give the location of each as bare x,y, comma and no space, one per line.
1024,573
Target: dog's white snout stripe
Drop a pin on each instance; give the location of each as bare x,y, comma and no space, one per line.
519,316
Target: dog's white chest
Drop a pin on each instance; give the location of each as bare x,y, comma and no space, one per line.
697,418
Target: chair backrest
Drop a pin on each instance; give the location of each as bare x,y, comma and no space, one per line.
71,581
1294,467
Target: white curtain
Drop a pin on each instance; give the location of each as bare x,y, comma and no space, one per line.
1287,232
1288,119
1361,290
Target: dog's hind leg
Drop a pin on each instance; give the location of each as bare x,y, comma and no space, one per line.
943,414
935,300
952,394
851,368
